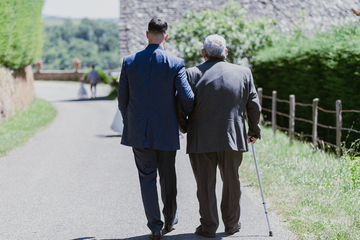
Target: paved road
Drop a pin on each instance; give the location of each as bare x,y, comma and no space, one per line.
75,181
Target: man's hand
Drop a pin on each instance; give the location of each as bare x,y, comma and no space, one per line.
251,139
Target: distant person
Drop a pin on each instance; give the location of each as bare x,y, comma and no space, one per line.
93,78
148,82
216,133
82,91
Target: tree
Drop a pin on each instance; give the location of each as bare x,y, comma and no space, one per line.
94,42
243,38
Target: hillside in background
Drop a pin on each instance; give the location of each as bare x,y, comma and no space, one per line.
92,41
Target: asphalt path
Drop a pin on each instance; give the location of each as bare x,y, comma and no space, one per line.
75,181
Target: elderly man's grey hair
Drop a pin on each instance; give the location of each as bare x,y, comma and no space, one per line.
215,47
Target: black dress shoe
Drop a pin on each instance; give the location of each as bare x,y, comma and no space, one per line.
233,230
201,232
169,227
155,235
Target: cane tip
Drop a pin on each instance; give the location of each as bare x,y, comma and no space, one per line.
270,234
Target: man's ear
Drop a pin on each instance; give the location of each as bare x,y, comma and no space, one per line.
166,36
226,51
203,53
147,34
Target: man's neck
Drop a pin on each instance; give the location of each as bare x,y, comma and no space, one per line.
158,43
159,39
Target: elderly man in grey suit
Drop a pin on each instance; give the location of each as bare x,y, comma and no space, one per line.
224,93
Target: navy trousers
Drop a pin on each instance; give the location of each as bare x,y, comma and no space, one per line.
149,162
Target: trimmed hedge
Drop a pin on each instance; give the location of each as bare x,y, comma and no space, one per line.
325,66
20,32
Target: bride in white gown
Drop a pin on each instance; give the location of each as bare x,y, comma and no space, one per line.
82,92
117,124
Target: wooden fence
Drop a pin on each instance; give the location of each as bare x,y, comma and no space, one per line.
315,124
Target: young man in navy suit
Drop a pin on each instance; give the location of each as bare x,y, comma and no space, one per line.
148,83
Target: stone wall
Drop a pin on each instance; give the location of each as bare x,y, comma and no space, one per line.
67,75
16,90
318,14
59,75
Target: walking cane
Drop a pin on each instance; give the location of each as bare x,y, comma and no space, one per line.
262,193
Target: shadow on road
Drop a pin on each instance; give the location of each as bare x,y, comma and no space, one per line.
86,99
84,238
179,236
108,136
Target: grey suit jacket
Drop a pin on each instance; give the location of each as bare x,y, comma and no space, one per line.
223,93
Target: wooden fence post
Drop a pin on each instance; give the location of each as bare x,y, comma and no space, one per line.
260,94
338,127
273,111
315,121
292,118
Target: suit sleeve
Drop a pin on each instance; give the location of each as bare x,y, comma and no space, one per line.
185,93
253,109
181,116
123,91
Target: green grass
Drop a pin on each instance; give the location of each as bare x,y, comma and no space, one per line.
316,193
20,128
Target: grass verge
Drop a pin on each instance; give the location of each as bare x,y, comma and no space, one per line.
21,127
315,192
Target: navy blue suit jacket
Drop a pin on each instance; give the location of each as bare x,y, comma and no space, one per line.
148,82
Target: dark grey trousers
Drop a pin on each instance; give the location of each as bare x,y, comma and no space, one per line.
148,162
204,166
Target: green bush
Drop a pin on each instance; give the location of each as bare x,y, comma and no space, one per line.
20,32
103,76
323,65
114,83
243,38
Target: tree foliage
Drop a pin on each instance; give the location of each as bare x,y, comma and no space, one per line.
324,65
92,41
20,32
243,37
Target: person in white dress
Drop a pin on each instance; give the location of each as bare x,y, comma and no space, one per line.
82,91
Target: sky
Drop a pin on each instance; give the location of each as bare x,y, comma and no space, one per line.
95,9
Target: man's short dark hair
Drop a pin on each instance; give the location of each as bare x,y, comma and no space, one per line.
93,66
156,25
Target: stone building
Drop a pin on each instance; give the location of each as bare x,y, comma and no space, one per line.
135,15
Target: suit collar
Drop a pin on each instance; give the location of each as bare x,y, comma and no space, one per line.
155,46
216,60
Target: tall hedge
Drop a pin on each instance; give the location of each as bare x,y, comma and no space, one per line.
20,32
325,66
